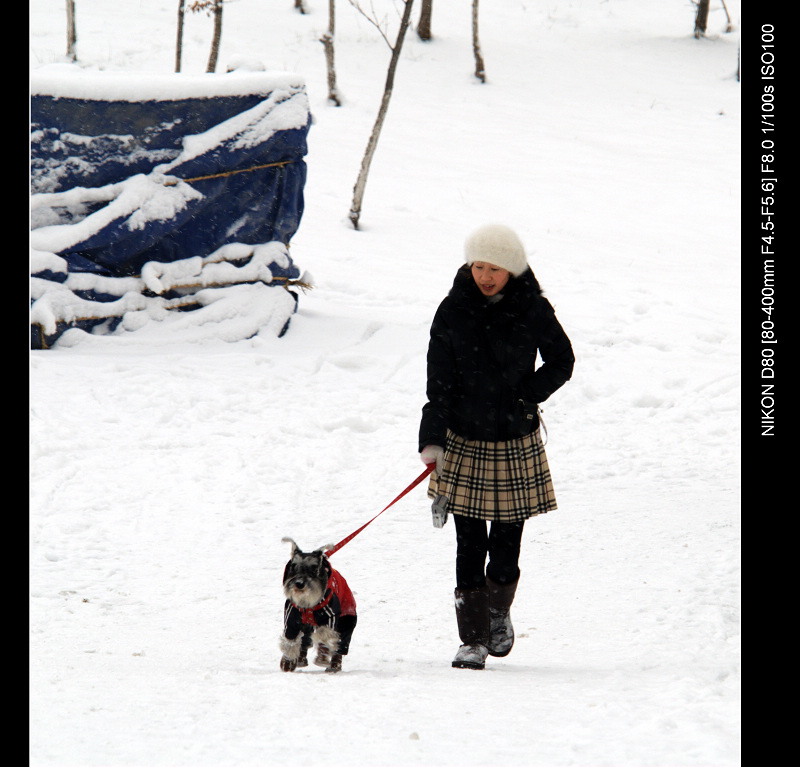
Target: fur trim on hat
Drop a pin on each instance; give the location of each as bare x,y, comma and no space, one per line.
496,244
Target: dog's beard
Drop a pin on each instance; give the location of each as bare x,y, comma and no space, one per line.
305,596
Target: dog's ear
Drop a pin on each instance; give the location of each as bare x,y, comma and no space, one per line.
324,570
295,547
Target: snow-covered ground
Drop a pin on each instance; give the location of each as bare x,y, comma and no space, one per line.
165,470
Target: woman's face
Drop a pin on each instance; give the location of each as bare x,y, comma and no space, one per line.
489,278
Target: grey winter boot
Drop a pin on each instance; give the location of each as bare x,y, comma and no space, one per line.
502,632
472,615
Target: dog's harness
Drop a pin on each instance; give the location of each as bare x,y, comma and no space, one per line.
307,613
336,585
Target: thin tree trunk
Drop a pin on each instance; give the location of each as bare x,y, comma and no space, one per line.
480,72
739,64
72,35
361,182
179,38
424,26
327,41
701,20
212,59
729,25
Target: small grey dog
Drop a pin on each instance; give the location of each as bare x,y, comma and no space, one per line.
320,609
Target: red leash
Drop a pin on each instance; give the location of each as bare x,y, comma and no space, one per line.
428,469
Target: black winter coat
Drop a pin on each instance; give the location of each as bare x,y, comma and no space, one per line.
482,380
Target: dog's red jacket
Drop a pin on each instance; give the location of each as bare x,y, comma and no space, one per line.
337,602
346,599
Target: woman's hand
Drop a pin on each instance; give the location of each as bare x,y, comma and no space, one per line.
433,454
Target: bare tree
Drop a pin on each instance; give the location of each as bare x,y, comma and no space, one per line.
480,72
361,182
299,5
72,35
701,19
211,8
212,57
729,25
424,25
327,41
179,39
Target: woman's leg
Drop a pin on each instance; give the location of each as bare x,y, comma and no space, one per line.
471,593
505,541
472,545
502,576
502,544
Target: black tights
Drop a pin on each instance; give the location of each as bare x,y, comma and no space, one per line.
502,544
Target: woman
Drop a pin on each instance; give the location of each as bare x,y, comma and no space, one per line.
480,426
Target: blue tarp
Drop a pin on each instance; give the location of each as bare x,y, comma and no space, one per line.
127,170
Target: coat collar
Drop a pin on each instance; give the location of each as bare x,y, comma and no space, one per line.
518,293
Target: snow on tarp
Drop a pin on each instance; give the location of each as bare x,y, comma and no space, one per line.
164,195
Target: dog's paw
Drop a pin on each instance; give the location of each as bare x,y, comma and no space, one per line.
288,664
335,664
323,656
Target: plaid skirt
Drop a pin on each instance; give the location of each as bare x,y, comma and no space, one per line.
497,481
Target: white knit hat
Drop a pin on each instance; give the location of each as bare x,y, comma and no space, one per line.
496,244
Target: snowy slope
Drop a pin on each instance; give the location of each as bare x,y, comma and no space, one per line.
164,471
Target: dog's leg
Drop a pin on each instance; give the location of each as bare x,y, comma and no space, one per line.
290,649
336,664
345,626
302,660
327,641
